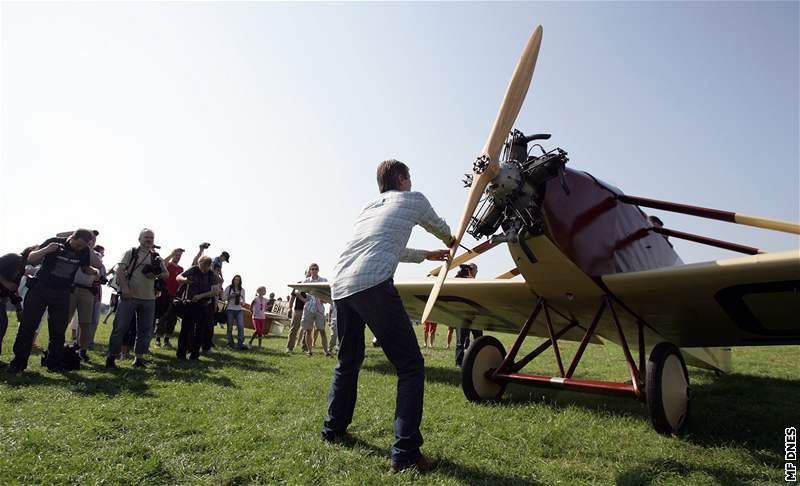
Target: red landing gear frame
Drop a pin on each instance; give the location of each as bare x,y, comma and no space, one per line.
487,369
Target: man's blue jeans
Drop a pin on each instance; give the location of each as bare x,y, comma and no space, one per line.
238,316
145,315
381,308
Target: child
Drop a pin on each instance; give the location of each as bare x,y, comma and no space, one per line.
258,307
430,333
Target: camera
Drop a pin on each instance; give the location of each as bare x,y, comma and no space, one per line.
205,245
155,264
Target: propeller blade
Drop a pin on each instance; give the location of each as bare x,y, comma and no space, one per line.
509,109
515,95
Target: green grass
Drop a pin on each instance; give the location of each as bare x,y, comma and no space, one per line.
253,417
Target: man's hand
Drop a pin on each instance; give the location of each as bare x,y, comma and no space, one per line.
437,255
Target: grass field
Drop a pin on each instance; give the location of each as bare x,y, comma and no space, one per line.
253,417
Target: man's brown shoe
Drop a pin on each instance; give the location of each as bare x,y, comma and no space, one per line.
423,464
343,438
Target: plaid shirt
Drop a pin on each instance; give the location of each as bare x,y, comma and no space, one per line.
378,244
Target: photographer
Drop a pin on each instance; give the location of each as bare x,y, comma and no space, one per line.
136,274
467,270
12,267
165,325
216,267
85,293
234,295
199,285
49,290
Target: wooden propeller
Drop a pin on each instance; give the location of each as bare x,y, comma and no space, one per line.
485,172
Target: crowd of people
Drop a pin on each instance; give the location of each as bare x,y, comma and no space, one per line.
154,292
64,277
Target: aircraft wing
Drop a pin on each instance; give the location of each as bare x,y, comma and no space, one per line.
746,301
492,305
276,317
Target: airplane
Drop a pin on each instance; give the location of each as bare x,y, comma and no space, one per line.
274,321
596,269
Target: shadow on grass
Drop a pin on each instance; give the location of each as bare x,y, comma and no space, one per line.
125,379
445,376
464,473
654,472
744,411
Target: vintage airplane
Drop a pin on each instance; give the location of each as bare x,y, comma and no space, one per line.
595,269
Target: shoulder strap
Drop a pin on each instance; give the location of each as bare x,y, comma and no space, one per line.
134,258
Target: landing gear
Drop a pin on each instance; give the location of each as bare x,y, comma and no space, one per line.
667,389
484,356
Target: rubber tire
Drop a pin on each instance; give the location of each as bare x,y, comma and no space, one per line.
487,353
668,419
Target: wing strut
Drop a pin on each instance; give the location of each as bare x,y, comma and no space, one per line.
727,216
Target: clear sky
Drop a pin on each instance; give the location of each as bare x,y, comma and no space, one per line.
258,126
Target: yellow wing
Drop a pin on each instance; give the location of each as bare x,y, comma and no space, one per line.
753,300
492,305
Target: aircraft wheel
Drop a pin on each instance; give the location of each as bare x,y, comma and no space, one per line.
486,353
667,389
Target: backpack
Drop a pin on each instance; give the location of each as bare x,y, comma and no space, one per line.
70,359
181,301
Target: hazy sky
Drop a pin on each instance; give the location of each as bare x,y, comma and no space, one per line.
258,126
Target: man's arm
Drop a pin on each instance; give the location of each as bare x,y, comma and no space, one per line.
215,291
122,275
432,223
411,255
197,257
164,272
35,257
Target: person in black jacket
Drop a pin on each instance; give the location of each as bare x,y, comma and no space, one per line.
50,290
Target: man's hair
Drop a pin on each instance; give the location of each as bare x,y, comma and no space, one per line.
83,234
204,259
389,172
145,230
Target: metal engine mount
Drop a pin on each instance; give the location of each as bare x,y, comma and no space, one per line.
513,199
